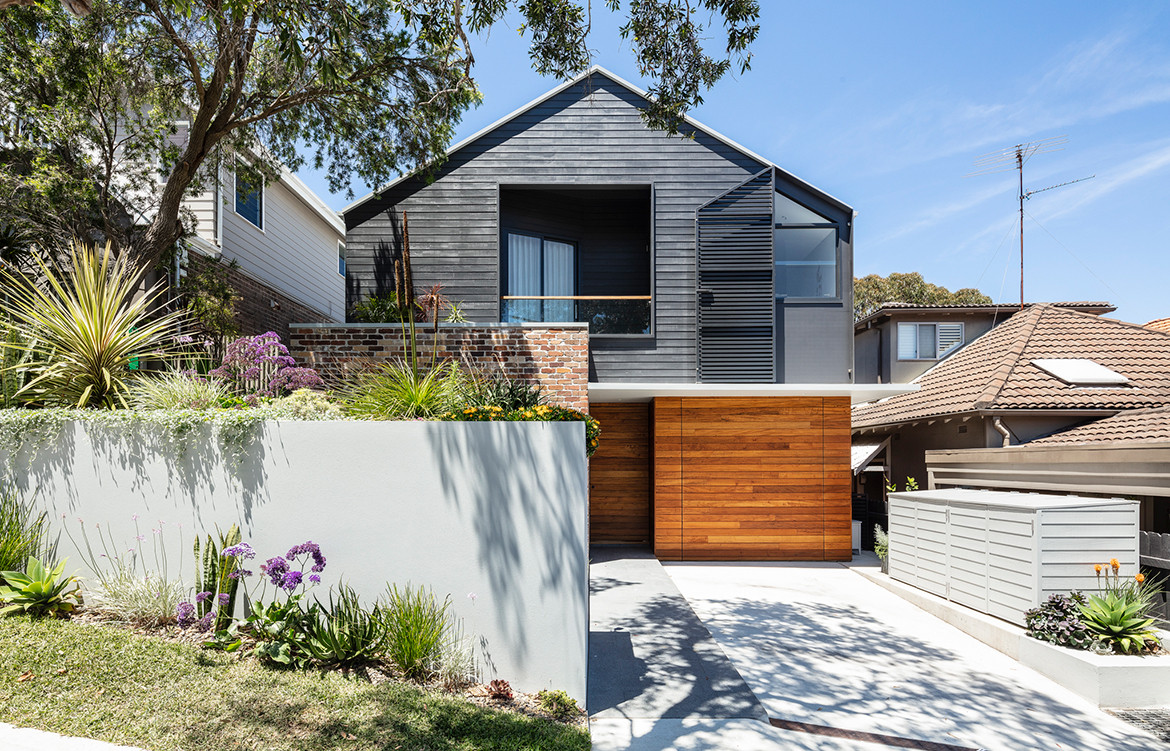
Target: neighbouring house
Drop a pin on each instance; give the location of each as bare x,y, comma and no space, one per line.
1044,370
900,341
716,290
1160,324
287,245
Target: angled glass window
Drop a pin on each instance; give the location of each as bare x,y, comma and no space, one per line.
806,262
791,212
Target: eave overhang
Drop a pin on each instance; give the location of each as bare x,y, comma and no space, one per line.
604,393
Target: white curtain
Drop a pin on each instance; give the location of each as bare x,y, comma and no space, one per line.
523,278
559,279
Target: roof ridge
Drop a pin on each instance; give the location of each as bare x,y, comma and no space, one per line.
1118,321
1003,371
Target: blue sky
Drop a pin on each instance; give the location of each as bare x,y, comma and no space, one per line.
887,106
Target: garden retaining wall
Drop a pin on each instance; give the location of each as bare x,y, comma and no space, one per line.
495,514
555,357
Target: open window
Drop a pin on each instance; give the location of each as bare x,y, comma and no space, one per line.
577,254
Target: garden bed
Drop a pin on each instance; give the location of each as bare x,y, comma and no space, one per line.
84,679
1123,681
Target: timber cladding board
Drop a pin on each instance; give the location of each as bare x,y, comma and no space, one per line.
751,478
619,475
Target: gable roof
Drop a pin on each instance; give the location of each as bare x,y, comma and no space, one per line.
1131,425
995,372
598,70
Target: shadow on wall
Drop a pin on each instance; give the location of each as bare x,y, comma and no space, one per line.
510,512
192,461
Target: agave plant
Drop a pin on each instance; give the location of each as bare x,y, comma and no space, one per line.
39,591
83,327
1119,621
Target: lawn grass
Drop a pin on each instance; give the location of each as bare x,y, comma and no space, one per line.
136,690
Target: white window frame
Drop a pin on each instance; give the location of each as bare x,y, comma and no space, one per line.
263,200
342,258
936,355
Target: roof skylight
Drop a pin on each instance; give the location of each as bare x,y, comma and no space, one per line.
1081,372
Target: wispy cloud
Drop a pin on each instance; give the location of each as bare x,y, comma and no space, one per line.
1153,160
1094,79
940,213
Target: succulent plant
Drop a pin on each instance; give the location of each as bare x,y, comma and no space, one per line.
1059,621
500,690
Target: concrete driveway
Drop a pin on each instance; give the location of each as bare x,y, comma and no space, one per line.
827,651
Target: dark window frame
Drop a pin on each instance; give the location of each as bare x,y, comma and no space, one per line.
827,224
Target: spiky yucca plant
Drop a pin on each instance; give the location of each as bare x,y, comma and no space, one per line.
83,327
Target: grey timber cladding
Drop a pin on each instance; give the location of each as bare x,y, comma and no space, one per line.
588,134
737,334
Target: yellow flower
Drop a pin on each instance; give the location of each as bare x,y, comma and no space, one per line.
1097,567
1140,578
1113,562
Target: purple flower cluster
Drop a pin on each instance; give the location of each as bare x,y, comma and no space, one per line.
309,548
185,614
275,569
261,366
203,597
204,623
242,550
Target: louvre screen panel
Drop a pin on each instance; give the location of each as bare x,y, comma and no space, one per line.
736,291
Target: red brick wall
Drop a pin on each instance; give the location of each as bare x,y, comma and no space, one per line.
255,313
557,358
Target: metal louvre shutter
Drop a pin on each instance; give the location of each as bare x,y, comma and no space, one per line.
736,297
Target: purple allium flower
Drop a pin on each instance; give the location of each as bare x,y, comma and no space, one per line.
185,614
292,580
240,572
203,597
275,568
314,578
243,550
204,623
223,599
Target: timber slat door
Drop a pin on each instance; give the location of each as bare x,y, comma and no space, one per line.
619,475
757,478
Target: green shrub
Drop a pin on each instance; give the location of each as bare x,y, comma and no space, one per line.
22,536
39,591
174,390
558,704
381,309
343,632
86,329
497,389
1058,621
304,404
144,599
417,629
397,391
881,542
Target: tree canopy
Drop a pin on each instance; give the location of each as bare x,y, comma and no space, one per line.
870,292
110,119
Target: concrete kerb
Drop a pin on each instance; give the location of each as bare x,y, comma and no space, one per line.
1122,681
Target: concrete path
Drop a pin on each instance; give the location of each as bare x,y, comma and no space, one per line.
650,657
24,739
821,646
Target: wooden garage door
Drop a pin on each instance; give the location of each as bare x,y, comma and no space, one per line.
619,475
752,479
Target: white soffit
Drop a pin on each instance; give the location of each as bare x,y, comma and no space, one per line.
604,393
1081,372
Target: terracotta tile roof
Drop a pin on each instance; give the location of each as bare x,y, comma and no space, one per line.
1131,425
1160,324
995,371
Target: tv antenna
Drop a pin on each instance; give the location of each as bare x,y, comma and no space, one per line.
1014,158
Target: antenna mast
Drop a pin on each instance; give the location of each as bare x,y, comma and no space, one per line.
1014,157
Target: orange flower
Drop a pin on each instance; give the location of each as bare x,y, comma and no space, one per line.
1113,562
1140,578
1097,567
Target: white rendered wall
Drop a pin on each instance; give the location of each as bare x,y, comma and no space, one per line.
497,510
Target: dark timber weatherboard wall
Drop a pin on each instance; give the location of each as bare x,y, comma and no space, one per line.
590,134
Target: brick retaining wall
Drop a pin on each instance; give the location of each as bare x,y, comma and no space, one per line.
557,358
